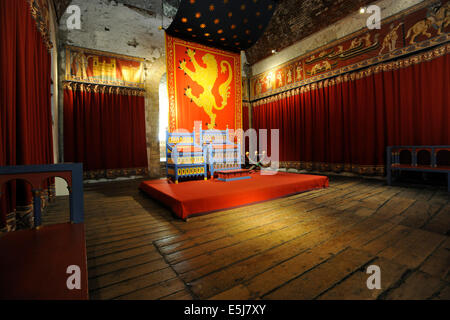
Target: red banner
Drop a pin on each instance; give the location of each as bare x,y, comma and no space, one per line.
204,85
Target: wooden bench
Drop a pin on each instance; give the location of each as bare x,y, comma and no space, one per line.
34,263
435,160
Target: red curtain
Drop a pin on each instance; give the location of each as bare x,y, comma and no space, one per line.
245,119
346,123
104,127
25,107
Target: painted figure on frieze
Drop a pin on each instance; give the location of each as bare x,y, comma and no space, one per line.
321,56
390,40
289,76
356,43
420,28
442,17
367,40
280,79
258,87
299,72
322,67
438,17
79,65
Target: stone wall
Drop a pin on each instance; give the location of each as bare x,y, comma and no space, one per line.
117,28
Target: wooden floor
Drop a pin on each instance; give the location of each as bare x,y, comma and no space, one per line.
315,245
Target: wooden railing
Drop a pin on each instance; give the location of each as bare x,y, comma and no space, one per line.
394,162
72,173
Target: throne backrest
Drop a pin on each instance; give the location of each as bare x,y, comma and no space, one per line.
214,136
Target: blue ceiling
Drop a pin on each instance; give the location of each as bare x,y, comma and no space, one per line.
226,24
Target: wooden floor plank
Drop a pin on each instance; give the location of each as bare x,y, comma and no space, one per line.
95,271
122,288
438,263
98,261
413,249
419,214
355,286
418,286
440,223
180,295
387,239
156,291
111,247
126,274
323,277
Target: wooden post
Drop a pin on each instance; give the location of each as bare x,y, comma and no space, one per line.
77,200
37,203
433,158
448,182
388,166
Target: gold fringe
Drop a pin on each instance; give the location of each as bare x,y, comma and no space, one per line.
377,170
97,88
115,173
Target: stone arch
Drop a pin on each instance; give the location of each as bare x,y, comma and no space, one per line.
153,75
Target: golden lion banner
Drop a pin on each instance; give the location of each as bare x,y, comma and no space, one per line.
204,85
104,68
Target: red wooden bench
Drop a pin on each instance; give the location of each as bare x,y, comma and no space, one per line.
34,264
